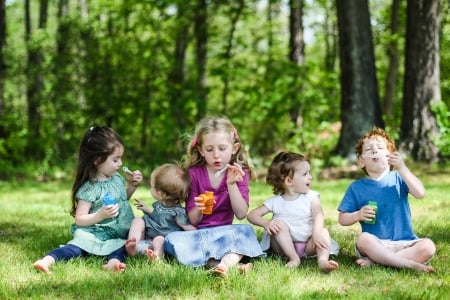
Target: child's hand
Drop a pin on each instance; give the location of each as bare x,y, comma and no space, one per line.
321,242
136,178
273,228
235,173
199,203
366,213
110,211
395,159
141,206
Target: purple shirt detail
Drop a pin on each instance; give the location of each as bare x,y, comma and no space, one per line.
223,213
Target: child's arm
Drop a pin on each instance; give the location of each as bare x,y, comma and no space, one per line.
235,174
256,217
366,213
84,218
414,184
141,206
317,214
136,179
187,227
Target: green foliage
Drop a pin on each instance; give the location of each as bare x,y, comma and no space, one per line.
116,68
443,118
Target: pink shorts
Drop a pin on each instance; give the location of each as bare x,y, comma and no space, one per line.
300,248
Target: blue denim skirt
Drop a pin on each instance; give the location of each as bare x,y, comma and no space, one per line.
196,247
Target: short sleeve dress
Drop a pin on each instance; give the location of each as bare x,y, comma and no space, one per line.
110,234
163,220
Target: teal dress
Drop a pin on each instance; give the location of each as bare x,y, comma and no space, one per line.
110,234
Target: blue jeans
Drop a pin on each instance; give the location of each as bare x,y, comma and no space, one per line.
70,251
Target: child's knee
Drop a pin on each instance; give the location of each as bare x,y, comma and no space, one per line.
428,248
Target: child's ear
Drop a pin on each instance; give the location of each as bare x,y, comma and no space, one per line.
236,147
361,162
287,181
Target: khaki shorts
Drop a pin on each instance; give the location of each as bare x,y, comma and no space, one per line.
394,246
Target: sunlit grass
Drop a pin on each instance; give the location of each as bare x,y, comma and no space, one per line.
34,219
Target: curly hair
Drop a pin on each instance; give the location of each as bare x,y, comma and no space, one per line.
375,133
283,165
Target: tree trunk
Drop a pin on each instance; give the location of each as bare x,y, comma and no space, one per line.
201,34
35,82
296,54
176,76
422,84
393,55
360,104
2,66
226,77
330,37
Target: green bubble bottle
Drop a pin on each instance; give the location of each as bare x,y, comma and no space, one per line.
374,205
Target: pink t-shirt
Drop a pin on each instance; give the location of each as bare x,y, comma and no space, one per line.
223,213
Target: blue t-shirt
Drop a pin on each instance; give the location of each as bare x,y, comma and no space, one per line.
393,220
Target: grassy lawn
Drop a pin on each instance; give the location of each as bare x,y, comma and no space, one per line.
33,220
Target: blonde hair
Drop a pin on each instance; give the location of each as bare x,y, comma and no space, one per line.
213,125
172,183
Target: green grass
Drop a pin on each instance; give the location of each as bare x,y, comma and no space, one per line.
33,220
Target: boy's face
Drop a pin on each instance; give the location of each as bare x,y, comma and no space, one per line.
374,154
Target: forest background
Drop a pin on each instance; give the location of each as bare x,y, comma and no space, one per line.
309,76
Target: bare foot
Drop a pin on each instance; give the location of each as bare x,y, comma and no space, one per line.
40,265
328,265
245,268
364,262
151,255
220,270
115,267
292,264
425,268
130,246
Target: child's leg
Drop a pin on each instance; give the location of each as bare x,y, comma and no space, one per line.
116,261
226,263
323,253
135,235
158,250
370,246
282,244
63,253
421,252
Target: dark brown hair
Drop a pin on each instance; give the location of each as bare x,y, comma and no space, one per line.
283,165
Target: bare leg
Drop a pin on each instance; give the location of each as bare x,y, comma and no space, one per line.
226,263
158,250
114,265
282,244
369,246
134,236
323,254
44,264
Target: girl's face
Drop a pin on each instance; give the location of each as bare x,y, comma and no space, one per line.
217,149
374,154
111,165
301,181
